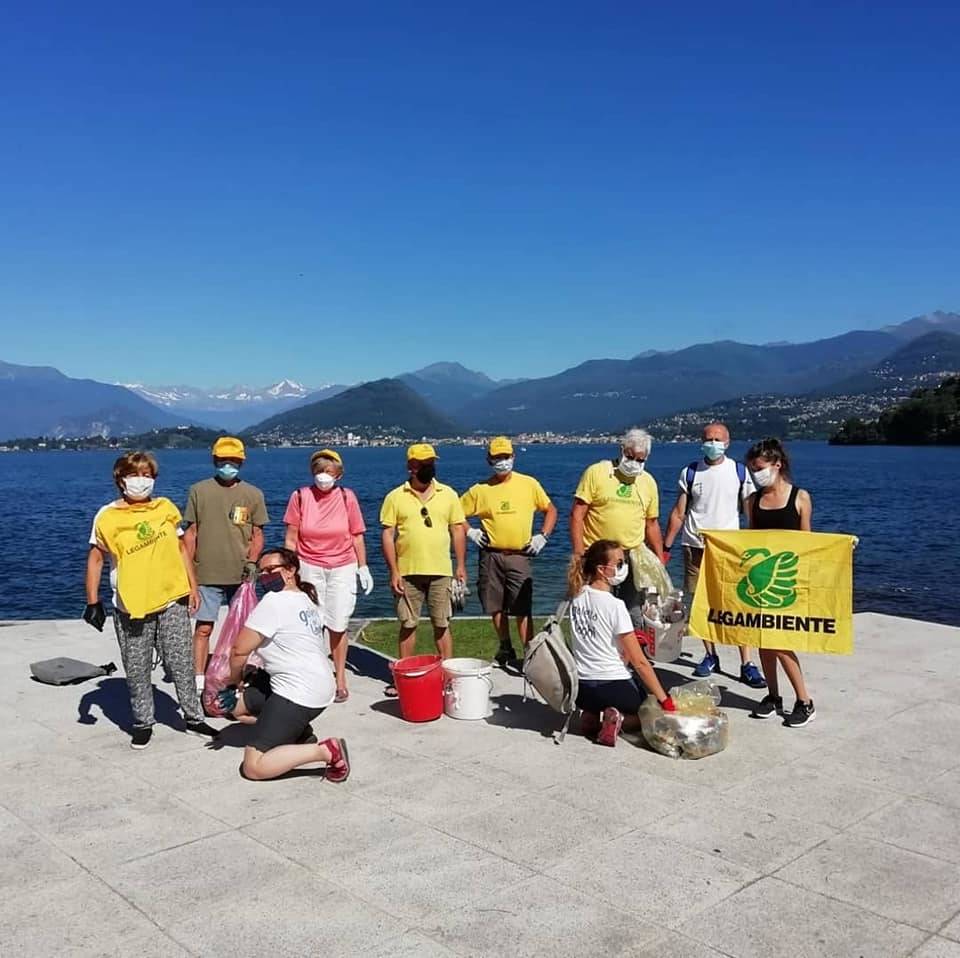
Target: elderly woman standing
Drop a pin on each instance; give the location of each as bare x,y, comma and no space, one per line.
154,591
325,529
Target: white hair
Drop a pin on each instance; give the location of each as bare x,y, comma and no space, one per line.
637,440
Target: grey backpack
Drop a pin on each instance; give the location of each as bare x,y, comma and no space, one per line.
548,666
65,671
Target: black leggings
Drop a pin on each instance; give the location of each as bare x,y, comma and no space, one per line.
279,721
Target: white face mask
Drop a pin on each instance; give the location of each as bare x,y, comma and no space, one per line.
138,487
619,575
630,468
764,477
502,466
325,482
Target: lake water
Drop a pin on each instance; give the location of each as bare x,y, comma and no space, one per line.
901,502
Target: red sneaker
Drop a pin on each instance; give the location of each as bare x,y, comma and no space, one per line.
610,722
589,724
338,768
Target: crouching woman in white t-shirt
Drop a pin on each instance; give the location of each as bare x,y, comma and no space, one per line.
287,632
603,643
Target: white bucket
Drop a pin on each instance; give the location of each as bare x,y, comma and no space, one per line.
466,688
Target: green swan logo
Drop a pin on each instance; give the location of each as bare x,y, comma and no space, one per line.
144,531
771,579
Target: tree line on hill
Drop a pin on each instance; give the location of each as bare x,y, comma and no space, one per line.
930,417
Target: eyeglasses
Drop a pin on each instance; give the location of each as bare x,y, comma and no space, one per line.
427,521
269,570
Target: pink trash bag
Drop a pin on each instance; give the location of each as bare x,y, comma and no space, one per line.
217,676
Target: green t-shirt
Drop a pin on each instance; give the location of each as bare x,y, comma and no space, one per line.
225,517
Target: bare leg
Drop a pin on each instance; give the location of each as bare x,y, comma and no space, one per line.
444,641
791,665
525,628
768,659
710,647
744,654
201,646
501,622
338,648
261,765
408,641
631,723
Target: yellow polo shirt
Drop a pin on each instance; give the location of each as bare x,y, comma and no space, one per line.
618,510
506,508
422,549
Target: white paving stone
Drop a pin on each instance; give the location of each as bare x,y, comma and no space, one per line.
486,838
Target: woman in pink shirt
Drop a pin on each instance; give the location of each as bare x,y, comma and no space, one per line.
325,529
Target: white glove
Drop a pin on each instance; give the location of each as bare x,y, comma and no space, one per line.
536,545
478,537
366,580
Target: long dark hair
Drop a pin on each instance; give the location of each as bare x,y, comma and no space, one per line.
583,569
289,560
772,450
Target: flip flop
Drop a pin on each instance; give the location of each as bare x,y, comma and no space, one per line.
341,696
390,692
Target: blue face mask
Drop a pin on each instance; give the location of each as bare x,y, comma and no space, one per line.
227,471
713,449
272,583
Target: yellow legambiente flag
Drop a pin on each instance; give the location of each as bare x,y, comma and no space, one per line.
776,589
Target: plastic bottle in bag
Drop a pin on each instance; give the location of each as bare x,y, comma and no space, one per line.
696,698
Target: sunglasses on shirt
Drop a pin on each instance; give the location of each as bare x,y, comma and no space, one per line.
427,521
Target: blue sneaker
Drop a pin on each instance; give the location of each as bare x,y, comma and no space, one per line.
750,675
709,663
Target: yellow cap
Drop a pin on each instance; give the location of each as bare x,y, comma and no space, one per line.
500,446
228,447
421,451
327,454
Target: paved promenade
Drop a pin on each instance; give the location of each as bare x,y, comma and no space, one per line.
839,839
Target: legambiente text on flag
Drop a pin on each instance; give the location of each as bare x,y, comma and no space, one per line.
776,589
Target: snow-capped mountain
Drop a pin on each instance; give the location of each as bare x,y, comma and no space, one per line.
232,407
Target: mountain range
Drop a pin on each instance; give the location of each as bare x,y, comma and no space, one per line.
447,399
232,407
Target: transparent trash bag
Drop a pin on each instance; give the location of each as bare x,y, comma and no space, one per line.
649,572
697,729
217,676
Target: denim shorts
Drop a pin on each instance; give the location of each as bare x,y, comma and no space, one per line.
211,598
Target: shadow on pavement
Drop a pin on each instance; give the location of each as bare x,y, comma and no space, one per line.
511,711
113,700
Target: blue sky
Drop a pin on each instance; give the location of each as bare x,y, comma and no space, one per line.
237,194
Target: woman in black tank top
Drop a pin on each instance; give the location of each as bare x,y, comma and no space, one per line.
778,504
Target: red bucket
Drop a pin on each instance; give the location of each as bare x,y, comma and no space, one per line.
419,682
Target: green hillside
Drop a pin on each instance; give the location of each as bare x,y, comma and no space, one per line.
384,407
931,417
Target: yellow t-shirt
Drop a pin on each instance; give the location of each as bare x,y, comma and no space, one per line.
142,538
506,508
618,510
422,549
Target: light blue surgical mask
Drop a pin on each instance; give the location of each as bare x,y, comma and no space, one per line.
227,471
713,449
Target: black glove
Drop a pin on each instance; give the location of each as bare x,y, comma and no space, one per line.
94,615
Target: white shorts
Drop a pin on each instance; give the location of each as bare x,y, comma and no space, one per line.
336,592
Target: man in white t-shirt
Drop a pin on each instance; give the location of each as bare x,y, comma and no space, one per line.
712,493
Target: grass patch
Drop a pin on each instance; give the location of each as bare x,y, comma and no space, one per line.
472,638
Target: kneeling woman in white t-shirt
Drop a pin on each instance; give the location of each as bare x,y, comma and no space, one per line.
286,631
603,642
